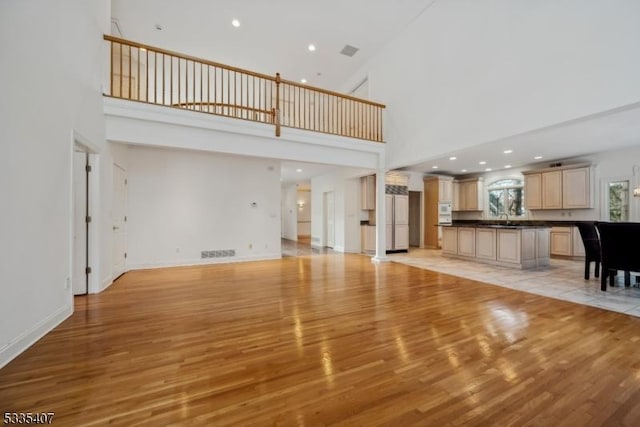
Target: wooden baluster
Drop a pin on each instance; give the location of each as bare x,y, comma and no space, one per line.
111,61
277,109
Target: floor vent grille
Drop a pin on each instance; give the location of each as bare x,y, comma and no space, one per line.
219,253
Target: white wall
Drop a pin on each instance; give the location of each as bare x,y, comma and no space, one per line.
289,212
182,202
471,71
622,164
52,72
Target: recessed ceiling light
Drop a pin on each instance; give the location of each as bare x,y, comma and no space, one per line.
488,170
311,47
434,167
508,151
537,157
507,166
483,162
298,170
452,158
303,80
235,23
463,170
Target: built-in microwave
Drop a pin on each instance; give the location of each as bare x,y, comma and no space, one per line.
444,213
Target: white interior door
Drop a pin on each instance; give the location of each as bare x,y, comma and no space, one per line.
80,230
119,208
329,219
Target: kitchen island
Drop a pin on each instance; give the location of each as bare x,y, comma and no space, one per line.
517,246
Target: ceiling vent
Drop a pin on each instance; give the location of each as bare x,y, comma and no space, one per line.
349,50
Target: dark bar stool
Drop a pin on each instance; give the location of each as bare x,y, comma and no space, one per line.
591,242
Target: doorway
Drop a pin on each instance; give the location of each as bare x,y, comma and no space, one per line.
414,218
119,220
81,220
329,219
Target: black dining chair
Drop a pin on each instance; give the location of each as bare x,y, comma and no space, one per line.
591,242
618,245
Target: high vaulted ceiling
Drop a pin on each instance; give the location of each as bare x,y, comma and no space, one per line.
273,35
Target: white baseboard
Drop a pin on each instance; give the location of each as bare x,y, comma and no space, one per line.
104,285
338,248
28,338
206,261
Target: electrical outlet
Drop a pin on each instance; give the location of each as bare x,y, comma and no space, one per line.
67,283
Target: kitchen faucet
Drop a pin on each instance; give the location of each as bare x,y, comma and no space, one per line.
506,216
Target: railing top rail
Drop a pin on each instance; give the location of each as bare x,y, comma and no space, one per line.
240,70
187,57
330,92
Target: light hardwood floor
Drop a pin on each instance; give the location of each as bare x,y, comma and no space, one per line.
328,339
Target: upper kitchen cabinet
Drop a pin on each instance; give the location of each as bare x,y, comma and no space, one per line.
533,193
552,190
576,188
368,192
445,190
394,178
468,195
562,187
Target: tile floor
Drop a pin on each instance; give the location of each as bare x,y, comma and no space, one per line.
563,279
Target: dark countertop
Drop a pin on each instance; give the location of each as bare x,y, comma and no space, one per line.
509,226
473,223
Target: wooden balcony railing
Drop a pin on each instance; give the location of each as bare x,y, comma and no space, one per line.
157,76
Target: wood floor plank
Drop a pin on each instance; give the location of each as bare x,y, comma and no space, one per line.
327,340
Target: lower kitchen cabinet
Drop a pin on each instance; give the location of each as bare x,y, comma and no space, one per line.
486,243
368,238
509,246
467,241
450,240
519,247
561,240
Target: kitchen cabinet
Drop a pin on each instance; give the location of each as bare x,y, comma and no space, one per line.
445,190
561,241
450,240
562,187
455,205
486,243
509,243
368,192
566,241
397,221
576,188
552,190
368,238
394,178
437,189
516,246
533,193
467,241
469,195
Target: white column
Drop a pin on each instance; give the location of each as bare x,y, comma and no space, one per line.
381,216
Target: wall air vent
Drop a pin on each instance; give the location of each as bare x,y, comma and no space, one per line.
349,50
555,165
220,253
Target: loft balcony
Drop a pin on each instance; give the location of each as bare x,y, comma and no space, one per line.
156,76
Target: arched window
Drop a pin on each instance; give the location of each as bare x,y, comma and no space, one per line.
506,196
